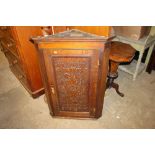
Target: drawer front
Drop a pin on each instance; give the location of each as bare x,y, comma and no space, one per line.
5,31
10,45
19,74
13,60
16,67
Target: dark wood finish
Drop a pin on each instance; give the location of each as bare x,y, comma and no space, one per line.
112,75
22,56
119,52
74,67
151,64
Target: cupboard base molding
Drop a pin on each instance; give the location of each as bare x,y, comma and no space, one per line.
37,93
71,117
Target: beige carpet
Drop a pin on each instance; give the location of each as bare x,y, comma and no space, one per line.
135,110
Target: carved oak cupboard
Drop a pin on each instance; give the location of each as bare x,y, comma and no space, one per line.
74,69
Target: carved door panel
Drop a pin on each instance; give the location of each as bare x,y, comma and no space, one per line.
72,79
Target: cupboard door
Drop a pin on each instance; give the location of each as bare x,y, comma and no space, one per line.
72,79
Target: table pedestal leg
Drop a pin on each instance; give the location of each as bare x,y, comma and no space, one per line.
112,75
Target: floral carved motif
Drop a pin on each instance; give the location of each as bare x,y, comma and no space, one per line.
72,77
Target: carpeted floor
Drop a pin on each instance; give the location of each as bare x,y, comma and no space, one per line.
135,110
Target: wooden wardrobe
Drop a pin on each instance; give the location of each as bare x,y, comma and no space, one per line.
22,56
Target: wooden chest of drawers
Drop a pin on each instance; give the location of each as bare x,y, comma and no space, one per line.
74,68
22,56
